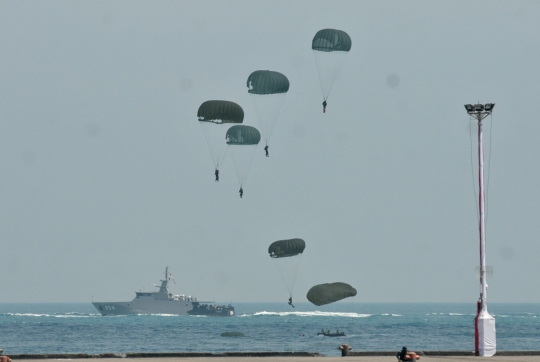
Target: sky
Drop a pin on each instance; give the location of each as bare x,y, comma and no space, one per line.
106,177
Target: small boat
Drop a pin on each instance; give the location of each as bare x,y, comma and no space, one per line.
328,334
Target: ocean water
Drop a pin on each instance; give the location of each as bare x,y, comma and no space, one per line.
274,327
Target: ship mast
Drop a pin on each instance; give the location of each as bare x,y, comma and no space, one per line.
485,336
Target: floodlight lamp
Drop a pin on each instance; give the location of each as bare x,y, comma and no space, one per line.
469,107
478,107
489,107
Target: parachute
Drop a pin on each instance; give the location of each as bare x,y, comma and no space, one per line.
214,118
330,47
286,255
286,248
267,90
322,294
242,141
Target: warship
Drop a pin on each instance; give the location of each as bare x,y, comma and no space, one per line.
164,302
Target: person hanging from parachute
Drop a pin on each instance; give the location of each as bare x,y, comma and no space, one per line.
242,142
267,89
290,302
286,255
330,47
215,117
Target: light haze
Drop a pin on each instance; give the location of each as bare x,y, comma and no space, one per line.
106,177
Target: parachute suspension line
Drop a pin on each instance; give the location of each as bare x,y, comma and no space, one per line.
296,272
288,271
268,107
319,66
213,133
242,158
282,276
328,66
472,169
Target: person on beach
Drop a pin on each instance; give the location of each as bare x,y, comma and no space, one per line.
266,150
290,301
405,355
217,175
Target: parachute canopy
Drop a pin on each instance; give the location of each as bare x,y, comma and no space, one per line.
286,256
242,142
330,47
331,40
330,292
243,135
267,82
286,248
214,119
220,112
267,90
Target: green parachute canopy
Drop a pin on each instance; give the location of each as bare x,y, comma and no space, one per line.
329,293
267,82
286,248
330,47
331,40
220,112
243,135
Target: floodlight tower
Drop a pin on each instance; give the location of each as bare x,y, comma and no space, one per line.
484,324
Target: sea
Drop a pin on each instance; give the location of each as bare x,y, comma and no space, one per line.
267,327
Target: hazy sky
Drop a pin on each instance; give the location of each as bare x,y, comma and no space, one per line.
106,177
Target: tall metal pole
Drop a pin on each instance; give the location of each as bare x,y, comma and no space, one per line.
484,324
481,222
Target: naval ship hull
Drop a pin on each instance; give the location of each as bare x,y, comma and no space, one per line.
163,302
162,307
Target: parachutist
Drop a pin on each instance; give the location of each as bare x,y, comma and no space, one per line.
266,150
324,104
241,191
217,175
290,302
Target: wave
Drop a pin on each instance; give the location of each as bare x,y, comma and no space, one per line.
313,314
527,315
67,315
451,314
